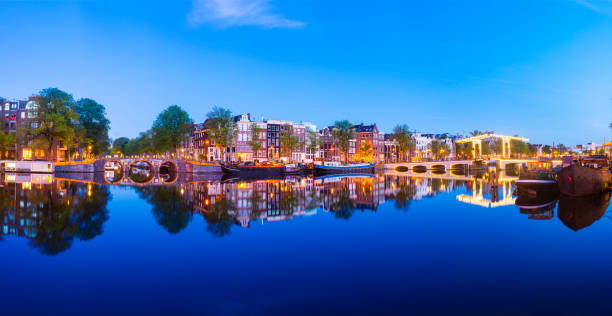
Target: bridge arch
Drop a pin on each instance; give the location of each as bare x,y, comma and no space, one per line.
141,171
168,171
458,166
419,168
111,166
402,169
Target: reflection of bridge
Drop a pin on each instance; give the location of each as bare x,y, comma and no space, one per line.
98,178
477,197
444,176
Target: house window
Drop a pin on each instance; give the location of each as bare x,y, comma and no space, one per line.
26,154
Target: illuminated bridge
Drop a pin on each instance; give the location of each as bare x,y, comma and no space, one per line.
449,165
136,171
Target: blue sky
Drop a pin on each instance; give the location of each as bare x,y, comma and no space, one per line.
538,68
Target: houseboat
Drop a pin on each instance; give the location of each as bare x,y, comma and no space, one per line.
27,166
337,168
588,176
537,178
253,170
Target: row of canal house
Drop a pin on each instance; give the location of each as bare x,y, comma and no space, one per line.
369,144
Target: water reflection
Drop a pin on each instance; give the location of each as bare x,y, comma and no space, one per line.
141,172
578,213
51,214
169,208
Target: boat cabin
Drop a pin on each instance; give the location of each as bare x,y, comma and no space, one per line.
542,164
595,162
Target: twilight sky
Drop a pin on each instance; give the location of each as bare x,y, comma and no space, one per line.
538,68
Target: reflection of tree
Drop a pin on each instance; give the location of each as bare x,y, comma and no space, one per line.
404,195
90,219
313,201
220,217
59,219
288,200
342,206
255,199
170,209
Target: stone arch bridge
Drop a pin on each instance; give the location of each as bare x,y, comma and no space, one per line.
160,171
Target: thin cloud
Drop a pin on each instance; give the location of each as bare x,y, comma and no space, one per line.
600,6
227,13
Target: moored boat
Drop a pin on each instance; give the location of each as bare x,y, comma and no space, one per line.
590,176
294,169
252,170
537,179
337,168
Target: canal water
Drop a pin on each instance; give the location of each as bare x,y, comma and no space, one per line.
365,245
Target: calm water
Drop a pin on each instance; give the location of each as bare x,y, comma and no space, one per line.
384,245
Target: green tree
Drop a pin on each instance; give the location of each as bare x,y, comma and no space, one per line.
405,142
7,142
288,141
435,146
255,141
496,147
221,128
486,148
55,117
343,132
143,144
313,141
476,133
92,118
119,145
518,147
171,129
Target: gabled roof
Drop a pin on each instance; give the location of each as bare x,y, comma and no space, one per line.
361,128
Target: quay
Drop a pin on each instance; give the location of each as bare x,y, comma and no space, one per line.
189,166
